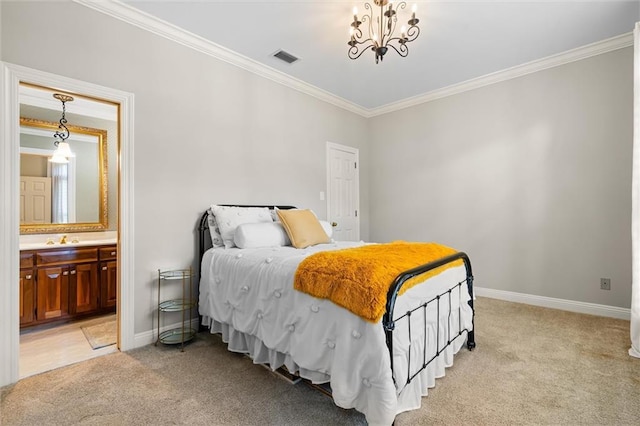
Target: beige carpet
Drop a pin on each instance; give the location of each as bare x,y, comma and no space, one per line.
101,334
532,366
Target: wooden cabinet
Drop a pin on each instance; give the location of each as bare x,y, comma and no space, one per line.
27,288
108,277
63,283
84,295
52,293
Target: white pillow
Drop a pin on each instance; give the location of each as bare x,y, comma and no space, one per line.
229,218
216,239
256,235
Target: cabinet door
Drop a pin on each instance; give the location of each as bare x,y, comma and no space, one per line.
109,283
83,288
27,297
53,292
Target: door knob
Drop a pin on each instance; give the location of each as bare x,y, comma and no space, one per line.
334,224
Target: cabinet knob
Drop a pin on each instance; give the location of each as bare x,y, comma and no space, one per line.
73,272
104,268
27,277
113,253
65,273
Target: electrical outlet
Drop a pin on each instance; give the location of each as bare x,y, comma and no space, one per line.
605,283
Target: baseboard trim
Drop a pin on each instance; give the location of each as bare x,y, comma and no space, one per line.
148,337
551,302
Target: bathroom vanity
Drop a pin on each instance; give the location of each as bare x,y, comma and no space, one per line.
65,282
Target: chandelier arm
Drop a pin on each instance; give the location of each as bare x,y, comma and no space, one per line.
356,35
412,33
404,50
393,19
353,50
369,18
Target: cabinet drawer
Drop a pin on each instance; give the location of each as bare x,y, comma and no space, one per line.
26,260
58,257
108,253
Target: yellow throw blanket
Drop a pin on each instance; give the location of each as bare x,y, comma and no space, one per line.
358,279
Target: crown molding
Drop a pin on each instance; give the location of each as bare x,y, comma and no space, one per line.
577,54
145,21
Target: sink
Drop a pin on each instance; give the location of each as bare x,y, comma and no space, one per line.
56,244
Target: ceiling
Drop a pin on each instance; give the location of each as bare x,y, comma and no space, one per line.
459,40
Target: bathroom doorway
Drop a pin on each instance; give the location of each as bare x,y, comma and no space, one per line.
68,228
13,76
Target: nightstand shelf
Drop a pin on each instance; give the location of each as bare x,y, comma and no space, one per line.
176,305
185,304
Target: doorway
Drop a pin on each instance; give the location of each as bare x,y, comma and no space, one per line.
11,76
343,191
68,282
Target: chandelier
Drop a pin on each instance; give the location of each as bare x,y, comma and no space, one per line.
380,30
62,152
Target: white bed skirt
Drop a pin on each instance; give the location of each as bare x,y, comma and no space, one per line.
410,398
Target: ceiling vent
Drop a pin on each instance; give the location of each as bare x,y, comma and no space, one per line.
285,56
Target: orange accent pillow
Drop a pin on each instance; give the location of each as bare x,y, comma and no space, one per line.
303,228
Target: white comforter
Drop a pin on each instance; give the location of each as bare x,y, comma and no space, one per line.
247,295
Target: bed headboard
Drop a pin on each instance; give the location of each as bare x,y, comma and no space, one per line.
204,236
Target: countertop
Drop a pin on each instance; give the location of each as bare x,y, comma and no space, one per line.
69,244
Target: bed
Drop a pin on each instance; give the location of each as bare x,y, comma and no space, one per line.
380,368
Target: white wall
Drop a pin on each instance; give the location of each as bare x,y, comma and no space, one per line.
531,177
205,131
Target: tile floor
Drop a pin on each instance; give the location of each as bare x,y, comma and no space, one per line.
44,350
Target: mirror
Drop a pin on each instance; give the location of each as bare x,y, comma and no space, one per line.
84,194
69,197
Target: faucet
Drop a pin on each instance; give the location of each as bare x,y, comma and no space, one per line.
63,239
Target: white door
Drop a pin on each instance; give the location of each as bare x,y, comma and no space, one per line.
35,199
343,192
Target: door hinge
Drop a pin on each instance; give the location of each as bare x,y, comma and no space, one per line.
356,213
355,165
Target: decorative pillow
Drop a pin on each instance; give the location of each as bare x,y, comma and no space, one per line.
229,218
327,228
216,239
256,235
303,228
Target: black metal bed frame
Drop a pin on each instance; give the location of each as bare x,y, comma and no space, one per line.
389,323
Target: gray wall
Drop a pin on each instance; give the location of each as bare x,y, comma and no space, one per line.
531,177
205,131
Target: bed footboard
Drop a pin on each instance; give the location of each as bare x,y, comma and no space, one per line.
390,323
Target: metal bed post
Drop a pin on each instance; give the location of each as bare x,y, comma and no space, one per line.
389,323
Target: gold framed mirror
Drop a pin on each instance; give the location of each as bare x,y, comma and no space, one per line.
62,198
